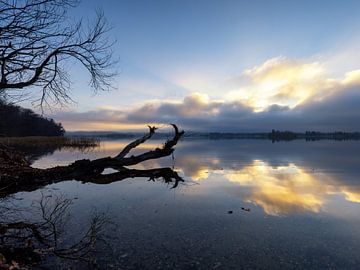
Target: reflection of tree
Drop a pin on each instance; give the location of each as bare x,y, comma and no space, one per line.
25,242
15,168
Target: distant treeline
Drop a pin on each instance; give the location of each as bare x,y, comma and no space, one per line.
274,135
17,122
277,135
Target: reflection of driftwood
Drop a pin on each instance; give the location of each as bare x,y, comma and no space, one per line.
17,175
24,243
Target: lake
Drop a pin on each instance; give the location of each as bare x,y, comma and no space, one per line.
244,204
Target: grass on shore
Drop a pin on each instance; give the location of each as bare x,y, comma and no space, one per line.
37,141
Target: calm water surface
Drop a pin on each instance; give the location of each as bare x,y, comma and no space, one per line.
295,205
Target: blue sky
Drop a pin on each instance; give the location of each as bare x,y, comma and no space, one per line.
228,52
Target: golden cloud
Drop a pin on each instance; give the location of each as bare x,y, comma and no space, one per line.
283,82
352,78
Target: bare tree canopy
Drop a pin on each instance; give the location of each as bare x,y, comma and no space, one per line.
37,38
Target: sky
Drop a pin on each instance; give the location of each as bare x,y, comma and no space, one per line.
225,65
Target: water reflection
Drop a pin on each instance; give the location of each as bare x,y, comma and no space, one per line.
314,177
304,201
283,189
28,235
280,190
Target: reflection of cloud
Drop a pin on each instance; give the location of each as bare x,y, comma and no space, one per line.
280,190
195,167
287,189
200,174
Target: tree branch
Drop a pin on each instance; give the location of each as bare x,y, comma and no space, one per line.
19,176
36,33
136,143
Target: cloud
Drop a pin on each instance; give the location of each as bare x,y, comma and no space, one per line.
281,81
101,119
106,115
280,94
196,105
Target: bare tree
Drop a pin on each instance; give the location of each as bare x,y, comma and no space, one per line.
37,38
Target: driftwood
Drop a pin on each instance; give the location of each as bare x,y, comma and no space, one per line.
17,175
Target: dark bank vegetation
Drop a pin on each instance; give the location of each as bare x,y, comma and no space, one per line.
38,141
33,148
19,122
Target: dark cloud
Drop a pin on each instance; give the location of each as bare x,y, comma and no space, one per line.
338,111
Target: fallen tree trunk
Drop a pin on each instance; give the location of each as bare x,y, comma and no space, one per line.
17,175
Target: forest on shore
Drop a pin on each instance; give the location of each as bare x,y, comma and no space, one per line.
20,122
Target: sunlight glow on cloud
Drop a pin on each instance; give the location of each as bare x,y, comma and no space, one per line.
192,106
281,81
352,78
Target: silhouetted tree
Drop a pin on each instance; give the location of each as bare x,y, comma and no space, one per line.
37,38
